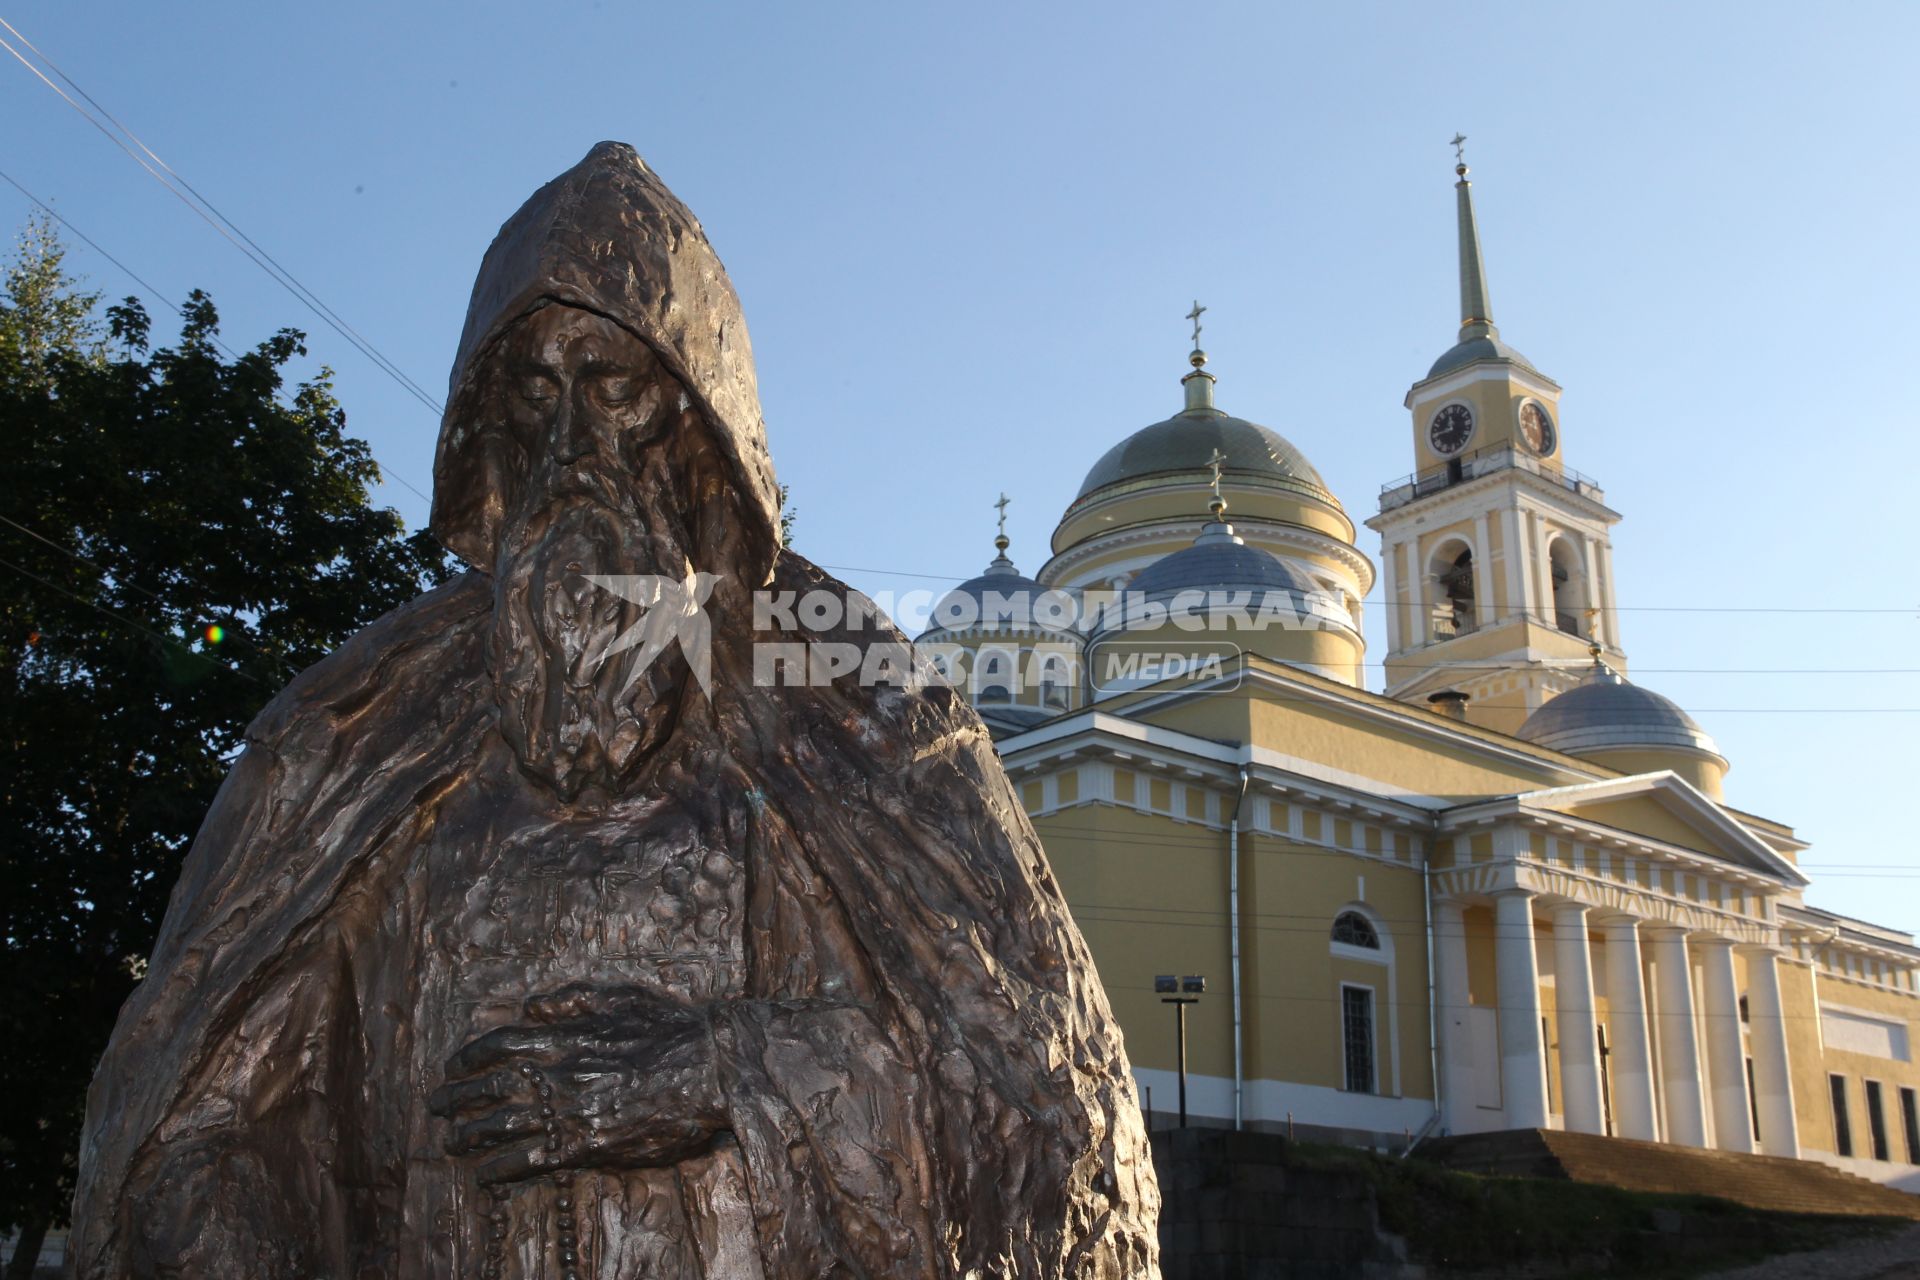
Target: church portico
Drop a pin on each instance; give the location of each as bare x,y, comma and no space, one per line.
1646,1038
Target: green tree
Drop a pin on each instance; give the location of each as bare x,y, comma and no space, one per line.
179,534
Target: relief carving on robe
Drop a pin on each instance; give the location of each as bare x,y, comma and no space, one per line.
532,937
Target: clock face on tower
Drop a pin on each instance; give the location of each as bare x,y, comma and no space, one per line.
1536,428
1450,429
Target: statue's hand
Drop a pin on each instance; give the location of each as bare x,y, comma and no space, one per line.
593,1079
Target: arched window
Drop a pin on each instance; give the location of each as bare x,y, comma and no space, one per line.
1454,611
1569,588
1355,930
994,676
1054,677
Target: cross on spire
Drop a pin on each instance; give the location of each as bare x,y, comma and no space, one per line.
1217,463
1459,145
1194,315
1001,506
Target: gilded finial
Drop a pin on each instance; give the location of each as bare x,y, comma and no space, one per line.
1459,145
1593,633
1000,541
1217,464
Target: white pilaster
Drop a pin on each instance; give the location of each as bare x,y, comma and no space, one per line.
1482,573
1513,549
1629,1049
1726,1055
1611,606
1543,567
1523,1072
1422,629
1390,593
1591,549
1772,1074
1450,994
1579,1037
1679,1052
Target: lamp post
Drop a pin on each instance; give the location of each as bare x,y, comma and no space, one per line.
1180,992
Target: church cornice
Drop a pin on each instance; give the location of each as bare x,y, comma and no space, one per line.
1184,530
1466,497
1380,709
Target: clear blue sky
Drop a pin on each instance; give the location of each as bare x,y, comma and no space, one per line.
966,235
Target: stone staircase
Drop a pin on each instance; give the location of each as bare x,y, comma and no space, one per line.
1759,1182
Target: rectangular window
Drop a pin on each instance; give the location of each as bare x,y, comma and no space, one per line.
1842,1131
1877,1121
1356,1008
1910,1122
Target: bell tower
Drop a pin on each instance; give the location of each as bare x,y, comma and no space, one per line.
1496,567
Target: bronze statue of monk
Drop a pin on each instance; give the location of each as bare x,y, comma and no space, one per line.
527,941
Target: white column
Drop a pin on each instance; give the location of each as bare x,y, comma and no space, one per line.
1592,571
1422,630
1451,997
1579,1036
1523,1068
1772,1075
1611,610
1726,1055
1679,1054
1543,565
1390,594
1482,573
1629,1051
1513,549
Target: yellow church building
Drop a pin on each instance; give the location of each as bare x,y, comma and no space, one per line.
1505,891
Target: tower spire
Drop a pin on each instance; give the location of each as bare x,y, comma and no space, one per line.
1476,313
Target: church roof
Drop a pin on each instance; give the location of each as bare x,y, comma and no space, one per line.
999,599
1218,561
1001,578
1185,442
1605,710
1471,350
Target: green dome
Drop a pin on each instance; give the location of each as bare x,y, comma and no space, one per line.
1183,444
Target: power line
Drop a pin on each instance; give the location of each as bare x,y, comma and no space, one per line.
1381,603
386,472
212,216
140,627
87,240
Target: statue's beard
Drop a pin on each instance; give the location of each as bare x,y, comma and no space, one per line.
576,712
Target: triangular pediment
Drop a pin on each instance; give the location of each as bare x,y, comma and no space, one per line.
1666,808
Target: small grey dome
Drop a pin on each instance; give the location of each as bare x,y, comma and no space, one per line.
1476,349
1605,710
1218,561
1185,443
999,598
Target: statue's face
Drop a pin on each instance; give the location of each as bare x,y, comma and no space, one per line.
592,441
581,397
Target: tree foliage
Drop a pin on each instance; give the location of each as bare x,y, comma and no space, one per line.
179,534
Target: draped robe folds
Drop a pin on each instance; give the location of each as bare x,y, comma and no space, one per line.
917,1072
922,1075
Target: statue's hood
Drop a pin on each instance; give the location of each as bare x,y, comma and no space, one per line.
606,236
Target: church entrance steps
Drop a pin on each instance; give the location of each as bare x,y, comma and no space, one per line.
1769,1183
